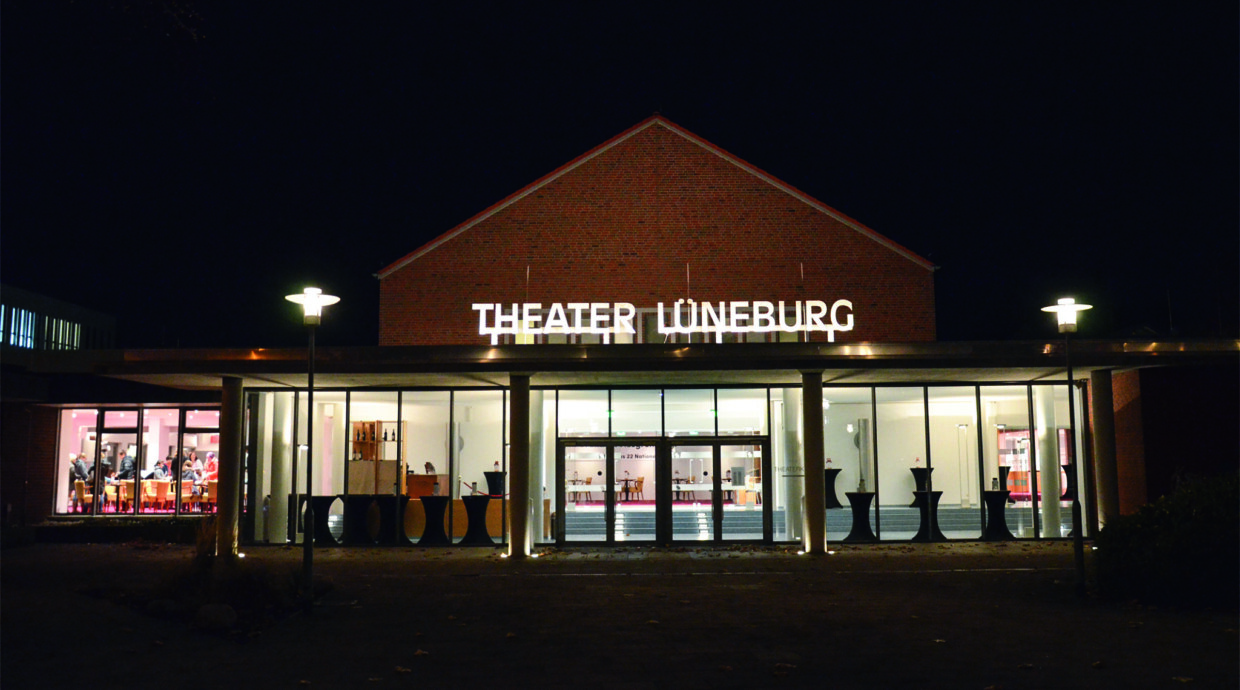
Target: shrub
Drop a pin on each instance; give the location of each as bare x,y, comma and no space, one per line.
1182,549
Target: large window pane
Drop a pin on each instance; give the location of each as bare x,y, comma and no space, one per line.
76,462
849,459
636,413
901,427
689,412
583,413
953,442
1054,460
160,436
373,460
479,440
1006,453
742,411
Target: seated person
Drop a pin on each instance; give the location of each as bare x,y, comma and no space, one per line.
211,469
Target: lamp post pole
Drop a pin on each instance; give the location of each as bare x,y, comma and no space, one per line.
312,300
1066,311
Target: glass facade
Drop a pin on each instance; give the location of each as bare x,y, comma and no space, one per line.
607,466
149,461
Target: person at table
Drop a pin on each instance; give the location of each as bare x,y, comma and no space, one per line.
195,463
128,467
77,468
211,468
163,468
189,476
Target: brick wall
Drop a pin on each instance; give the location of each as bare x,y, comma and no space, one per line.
1129,441
621,226
27,462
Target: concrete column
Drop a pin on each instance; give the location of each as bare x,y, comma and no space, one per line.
793,478
1048,459
815,481
519,465
228,489
1103,424
537,463
281,462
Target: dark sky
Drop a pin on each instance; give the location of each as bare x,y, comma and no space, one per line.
184,165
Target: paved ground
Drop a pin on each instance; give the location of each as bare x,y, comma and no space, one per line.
926,616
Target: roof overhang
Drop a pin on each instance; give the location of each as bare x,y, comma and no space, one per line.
634,365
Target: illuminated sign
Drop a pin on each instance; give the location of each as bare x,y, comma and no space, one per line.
685,316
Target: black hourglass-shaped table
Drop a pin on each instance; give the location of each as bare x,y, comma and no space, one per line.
433,534
476,512
996,518
860,502
921,476
927,503
833,499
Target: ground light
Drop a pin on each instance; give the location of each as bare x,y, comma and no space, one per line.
312,301
1066,310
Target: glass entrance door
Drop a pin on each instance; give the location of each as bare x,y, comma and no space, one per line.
703,490
744,510
609,493
695,492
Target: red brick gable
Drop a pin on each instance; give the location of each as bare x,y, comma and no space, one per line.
622,222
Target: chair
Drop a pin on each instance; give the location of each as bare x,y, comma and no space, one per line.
109,497
125,494
589,480
82,498
155,494
188,497
210,499
638,487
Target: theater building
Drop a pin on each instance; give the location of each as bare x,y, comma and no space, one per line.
657,343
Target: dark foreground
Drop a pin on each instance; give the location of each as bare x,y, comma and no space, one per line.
894,616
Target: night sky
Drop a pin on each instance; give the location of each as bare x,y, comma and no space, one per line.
184,165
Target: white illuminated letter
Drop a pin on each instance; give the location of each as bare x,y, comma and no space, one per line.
556,319
529,320
622,319
783,323
740,314
482,310
814,311
835,315
763,317
501,318
599,316
713,321
576,308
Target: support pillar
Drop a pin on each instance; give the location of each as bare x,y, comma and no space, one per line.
815,480
1102,403
228,490
519,465
282,444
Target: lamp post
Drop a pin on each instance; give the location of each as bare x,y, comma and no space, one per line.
1065,311
312,301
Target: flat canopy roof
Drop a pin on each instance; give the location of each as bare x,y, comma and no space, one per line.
633,365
